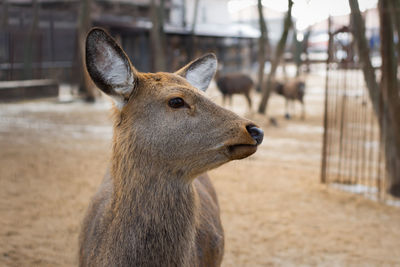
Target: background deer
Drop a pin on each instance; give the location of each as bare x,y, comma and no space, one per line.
234,83
157,206
291,90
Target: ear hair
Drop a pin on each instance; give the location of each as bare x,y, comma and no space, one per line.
200,72
109,67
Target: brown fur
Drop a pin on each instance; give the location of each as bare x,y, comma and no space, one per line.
157,206
291,90
235,83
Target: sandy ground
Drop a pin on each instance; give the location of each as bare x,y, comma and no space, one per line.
274,210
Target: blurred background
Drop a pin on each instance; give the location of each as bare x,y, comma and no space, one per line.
320,77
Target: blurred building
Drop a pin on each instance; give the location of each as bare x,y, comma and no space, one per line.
248,15
38,38
343,41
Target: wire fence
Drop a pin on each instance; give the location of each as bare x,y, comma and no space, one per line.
353,156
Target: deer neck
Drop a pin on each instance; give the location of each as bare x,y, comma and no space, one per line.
156,208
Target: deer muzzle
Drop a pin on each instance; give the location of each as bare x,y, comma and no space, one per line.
256,133
245,149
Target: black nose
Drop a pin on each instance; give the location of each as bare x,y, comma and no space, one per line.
256,133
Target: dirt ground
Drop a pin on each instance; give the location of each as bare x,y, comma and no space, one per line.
274,210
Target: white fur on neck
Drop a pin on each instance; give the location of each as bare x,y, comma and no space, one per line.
119,102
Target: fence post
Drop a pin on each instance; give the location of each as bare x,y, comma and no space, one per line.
325,136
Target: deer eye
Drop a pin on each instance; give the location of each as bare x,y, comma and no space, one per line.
176,102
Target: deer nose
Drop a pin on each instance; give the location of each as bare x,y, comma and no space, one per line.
256,133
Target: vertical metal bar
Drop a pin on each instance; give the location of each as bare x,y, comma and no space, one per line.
381,121
337,122
379,160
348,115
330,123
364,129
371,148
356,156
358,128
329,114
361,128
342,129
350,126
325,134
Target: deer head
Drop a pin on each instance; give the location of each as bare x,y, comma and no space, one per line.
165,120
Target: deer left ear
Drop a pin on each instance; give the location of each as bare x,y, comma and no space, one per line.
200,72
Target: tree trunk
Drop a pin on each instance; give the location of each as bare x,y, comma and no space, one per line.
192,42
385,100
4,19
305,48
300,47
297,51
266,87
391,99
157,35
395,13
84,24
31,42
363,51
263,45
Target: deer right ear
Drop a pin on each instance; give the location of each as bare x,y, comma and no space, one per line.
109,67
200,72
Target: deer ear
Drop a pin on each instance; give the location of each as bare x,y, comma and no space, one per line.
200,72
109,67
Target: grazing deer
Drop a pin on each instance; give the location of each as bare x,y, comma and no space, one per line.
234,83
291,91
157,206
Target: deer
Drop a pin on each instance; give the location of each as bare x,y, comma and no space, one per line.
292,90
156,205
234,83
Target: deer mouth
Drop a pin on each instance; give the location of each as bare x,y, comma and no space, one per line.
241,151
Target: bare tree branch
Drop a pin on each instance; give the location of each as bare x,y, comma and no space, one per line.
266,88
157,35
263,45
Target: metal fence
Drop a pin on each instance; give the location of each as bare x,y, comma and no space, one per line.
353,158
360,141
